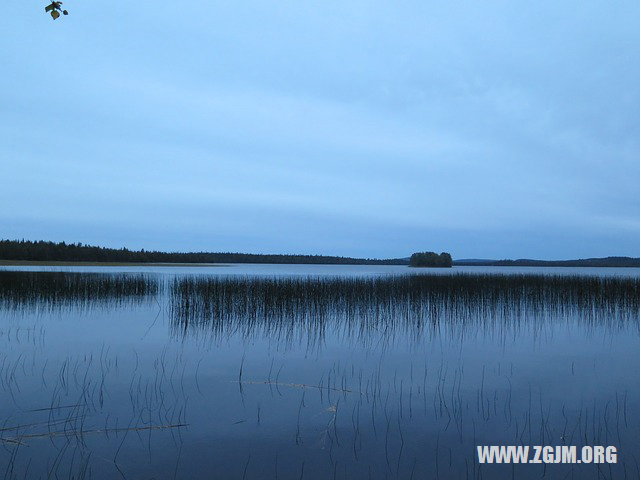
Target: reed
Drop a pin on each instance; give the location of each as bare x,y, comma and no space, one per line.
357,306
32,290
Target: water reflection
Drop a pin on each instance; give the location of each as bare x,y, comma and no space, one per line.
143,376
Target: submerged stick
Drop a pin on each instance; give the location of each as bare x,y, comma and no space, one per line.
67,433
296,385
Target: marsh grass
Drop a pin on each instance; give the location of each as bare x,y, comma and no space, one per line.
51,290
398,303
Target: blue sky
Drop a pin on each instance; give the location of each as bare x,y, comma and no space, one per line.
487,129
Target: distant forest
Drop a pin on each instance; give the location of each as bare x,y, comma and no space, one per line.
42,251
584,262
21,250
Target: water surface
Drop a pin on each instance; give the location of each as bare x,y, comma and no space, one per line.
142,372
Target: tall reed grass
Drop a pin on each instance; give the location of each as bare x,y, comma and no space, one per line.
50,290
409,301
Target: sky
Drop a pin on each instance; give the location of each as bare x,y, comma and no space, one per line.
495,129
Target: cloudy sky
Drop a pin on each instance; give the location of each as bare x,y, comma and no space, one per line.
487,129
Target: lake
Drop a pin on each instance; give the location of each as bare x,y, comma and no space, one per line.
314,371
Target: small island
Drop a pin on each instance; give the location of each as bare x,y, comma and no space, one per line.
431,259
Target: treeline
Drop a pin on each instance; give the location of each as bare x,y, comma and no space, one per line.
21,250
431,259
583,262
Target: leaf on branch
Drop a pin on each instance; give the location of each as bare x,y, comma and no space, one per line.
55,8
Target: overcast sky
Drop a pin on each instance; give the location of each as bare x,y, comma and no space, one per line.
487,129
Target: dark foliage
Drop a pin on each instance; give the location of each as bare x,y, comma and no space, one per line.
431,259
583,262
70,252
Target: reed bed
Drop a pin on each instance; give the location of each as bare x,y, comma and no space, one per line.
411,301
34,290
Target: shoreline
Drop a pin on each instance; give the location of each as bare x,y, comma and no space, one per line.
64,263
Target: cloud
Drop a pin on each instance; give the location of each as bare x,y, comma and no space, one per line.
370,122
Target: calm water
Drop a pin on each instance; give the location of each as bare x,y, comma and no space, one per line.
332,270
112,380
